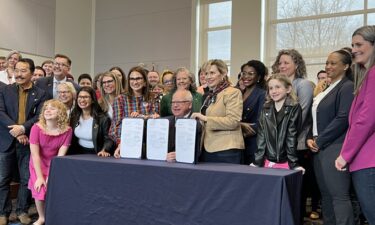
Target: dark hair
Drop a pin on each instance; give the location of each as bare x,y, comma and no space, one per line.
84,76
146,89
40,68
96,110
30,62
3,58
346,58
123,80
65,57
322,71
96,78
47,62
261,70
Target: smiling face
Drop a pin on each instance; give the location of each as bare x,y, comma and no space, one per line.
23,74
64,94
335,68
277,90
84,100
183,80
38,73
61,68
361,49
181,103
48,67
287,66
249,76
50,112
137,82
13,59
153,78
108,84
168,82
213,77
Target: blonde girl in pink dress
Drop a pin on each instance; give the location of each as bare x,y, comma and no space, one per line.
49,137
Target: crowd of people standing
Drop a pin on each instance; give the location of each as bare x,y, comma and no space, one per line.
276,119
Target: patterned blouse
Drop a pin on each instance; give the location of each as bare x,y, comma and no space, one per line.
123,106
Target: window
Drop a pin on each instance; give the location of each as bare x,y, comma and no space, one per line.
314,27
215,31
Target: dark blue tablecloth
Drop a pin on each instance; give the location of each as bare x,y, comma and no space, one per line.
85,189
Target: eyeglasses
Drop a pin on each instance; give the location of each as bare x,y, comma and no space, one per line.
244,74
179,102
168,82
84,97
63,92
135,78
60,64
107,82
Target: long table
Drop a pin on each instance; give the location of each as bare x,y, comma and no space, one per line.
86,189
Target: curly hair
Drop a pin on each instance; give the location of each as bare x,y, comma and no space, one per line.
297,59
62,115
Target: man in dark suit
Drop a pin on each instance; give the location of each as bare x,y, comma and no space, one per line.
61,68
20,104
181,108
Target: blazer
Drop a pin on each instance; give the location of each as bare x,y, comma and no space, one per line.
100,137
277,140
333,113
172,136
252,106
46,83
359,144
9,111
305,93
222,131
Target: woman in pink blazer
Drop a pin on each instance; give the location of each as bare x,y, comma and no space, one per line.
358,151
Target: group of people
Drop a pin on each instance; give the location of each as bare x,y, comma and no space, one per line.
276,120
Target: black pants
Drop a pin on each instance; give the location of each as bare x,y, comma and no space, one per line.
226,156
334,186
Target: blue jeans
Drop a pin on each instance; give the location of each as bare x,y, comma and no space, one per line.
364,184
20,156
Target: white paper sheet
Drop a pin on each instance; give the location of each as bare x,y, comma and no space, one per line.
131,138
157,139
185,140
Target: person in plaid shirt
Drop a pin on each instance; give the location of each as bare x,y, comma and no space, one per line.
137,102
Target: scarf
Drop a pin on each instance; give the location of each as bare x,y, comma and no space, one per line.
211,97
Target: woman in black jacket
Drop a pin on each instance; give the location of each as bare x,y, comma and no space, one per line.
90,125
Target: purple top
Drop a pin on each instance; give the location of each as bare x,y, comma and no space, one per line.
359,146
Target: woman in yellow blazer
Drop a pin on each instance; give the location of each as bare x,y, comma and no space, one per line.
221,114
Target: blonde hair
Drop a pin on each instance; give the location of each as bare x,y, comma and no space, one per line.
70,88
62,115
287,84
104,100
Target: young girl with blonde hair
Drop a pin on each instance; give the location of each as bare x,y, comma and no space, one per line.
49,137
278,127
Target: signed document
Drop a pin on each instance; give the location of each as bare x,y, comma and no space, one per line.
186,130
132,138
157,139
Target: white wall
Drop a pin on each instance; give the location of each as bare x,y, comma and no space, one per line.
74,33
129,32
246,33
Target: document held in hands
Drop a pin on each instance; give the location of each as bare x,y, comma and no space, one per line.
131,138
157,139
186,130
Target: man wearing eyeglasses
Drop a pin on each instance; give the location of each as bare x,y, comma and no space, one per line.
61,68
182,103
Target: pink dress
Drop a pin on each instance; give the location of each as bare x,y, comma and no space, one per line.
49,146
